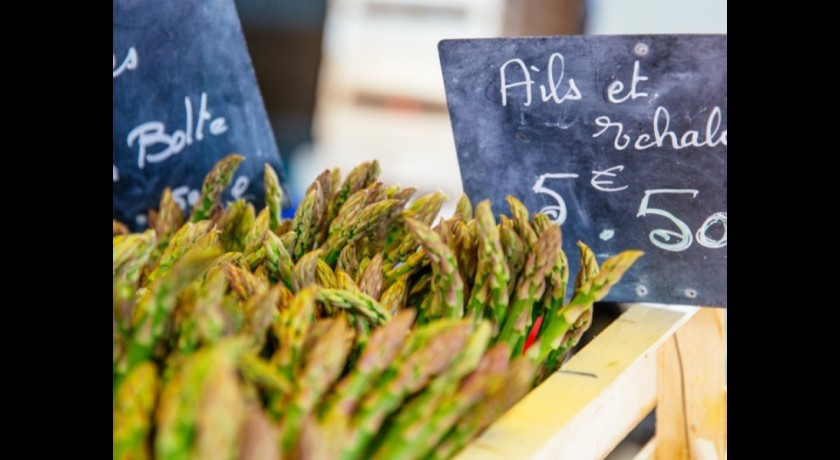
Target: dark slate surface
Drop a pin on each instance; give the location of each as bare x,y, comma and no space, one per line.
166,53
505,148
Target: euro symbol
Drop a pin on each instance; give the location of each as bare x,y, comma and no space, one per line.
599,184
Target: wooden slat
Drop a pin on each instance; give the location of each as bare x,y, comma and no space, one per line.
586,409
691,411
647,452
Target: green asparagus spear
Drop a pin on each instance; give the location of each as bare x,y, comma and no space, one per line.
214,183
408,375
290,329
530,288
323,365
303,273
170,216
589,292
273,197
256,235
120,228
464,208
371,280
520,221
242,281
278,260
308,217
447,282
133,404
235,223
382,349
394,298
497,400
152,313
356,302
409,433
359,178
492,277
200,404
347,260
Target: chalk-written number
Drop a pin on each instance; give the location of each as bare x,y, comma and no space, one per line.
557,213
662,238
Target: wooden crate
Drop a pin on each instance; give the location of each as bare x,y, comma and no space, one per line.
671,358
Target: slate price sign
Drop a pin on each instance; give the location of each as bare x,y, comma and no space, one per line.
621,140
185,95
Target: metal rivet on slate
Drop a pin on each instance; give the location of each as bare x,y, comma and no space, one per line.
641,49
641,291
690,293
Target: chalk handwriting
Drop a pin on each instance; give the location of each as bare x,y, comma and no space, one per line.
153,134
129,63
548,91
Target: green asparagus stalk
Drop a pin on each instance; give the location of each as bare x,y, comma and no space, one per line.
464,244
258,437
273,197
383,347
371,279
588,266
324,275
492,276
170,216
120,228
278,261
259,313
394,298
131,255
206,322
487,377
498,399
409,434
323,365
368,220
410,374
214,183
303,273
530,288
520,221
242,281
200,404
183,240
133,405
359,178
515,248
585,296
347,260
356,302
290,329
152,313
447,282
235,223
264,375
401,243
307,218
256,235
464,208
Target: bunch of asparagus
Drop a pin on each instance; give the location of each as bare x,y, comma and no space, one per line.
355,330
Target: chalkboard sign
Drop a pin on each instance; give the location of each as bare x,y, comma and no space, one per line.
185,95
619,139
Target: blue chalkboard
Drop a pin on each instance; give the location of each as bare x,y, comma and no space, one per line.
185,95
619,139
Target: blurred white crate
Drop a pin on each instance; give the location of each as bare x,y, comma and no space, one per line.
390,46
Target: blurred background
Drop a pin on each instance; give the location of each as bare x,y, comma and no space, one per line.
346,81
